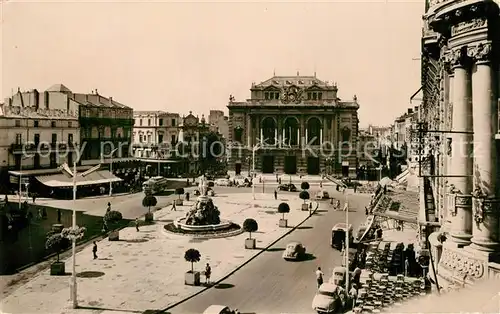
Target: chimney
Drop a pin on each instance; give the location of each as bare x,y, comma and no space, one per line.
410,110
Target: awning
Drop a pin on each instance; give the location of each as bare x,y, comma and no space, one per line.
61,180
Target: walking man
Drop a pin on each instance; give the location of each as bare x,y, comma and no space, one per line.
109,208
94,250
319,277
208,272
173,207
275,194
137,224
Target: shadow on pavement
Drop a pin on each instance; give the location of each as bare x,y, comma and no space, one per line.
224,286
90,274
309,257
94,308
322,211
134,240
304,227
275,249
105,259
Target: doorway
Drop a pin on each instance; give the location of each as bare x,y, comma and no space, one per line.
290,164
345,169
313,165
267,164
237,168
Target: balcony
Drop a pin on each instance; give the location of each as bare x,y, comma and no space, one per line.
41,148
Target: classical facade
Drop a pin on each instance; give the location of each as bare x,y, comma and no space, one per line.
155,133
460,71
296,124
39,130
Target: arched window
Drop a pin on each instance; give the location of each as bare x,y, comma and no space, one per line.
291,128
346,134
238,134
268,130
313,131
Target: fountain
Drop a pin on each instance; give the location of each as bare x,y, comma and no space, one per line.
203,218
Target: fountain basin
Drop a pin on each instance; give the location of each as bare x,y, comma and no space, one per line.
180,224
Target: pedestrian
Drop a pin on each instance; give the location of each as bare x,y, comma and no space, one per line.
94,250
355,187
208,272
187,196
366,210
109,208
279,181
337,205
173,207
407,267
321,184
59,214
319,277
33,195
137,224
275,194
353,294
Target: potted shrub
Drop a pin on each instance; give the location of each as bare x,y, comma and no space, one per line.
149,201
112,218
179,192
283,209
56,242
192,278
304,195
250,225
304,185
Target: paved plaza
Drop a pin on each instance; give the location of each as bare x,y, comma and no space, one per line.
145,269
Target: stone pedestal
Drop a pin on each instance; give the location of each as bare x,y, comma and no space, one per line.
460,215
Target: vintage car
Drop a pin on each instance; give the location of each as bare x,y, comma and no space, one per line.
339,276
339,235
322,195
220,309
223,182
290,187
329,299
294,251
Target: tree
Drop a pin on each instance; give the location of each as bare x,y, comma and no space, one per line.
149,201
179,191
212,150
56,242
283,208
304,195
192,256
250,225
304,185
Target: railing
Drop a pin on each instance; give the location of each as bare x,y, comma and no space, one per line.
40,147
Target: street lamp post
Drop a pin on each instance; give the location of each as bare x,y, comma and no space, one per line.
21,177
111,170
73,174
347,237
254,149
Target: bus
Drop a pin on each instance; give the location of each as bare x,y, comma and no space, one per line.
155,185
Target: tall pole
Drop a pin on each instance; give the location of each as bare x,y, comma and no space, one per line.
347,238
73,244
111,182
253,172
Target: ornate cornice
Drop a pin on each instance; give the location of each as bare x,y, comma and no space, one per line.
480,53
467,26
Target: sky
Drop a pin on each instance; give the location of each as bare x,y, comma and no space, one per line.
190,56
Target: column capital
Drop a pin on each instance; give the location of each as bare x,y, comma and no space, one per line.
456,58
480,53
484,205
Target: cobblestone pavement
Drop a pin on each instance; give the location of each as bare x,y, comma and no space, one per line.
145,269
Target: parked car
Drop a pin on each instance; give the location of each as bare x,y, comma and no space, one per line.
322,195
290,187
294,251
223,182
220,309
328,299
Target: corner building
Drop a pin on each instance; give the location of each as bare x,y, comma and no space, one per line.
460,71
298,124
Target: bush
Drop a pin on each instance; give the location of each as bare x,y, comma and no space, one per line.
250,225
149,201
304,195
192,256
304,185
179,191
112,217
283,208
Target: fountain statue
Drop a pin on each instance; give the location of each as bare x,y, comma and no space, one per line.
204,212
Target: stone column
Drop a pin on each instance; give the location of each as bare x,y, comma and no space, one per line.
249,131
485,204
460,148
